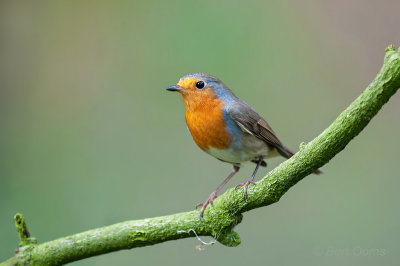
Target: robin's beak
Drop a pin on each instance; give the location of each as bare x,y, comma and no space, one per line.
174,88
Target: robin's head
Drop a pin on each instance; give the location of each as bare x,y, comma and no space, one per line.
199,87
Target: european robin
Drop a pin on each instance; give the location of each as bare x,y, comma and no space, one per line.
226,127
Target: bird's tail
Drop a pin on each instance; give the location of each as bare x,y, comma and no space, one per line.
287,153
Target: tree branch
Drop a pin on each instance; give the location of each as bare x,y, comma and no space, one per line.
226,211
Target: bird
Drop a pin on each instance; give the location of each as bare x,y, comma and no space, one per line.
226,127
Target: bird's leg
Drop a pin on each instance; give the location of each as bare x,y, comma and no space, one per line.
250,181
214,194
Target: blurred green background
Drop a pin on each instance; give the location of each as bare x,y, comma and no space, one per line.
89,137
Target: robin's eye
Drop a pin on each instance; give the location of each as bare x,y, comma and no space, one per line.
200,84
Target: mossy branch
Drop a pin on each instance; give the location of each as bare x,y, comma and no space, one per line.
220,218
22,229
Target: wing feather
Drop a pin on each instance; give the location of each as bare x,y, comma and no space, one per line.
251,122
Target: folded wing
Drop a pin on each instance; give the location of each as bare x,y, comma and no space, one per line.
251,122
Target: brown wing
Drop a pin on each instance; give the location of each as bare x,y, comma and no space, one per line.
249,120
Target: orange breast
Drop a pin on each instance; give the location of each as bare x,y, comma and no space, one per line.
206,123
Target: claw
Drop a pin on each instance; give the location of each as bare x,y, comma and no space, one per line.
245,185
210,199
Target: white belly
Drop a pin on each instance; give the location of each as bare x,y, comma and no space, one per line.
251,148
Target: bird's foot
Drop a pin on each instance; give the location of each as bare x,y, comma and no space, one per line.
210,199
245,185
